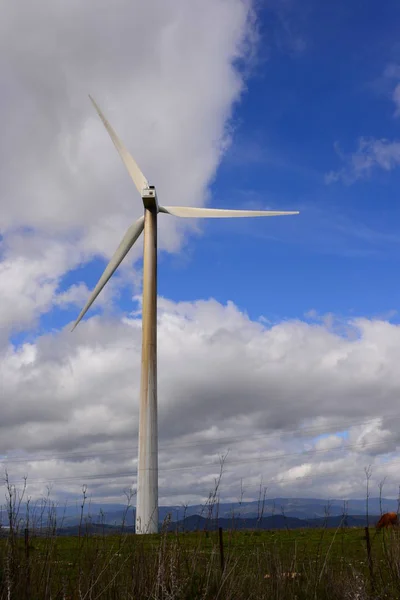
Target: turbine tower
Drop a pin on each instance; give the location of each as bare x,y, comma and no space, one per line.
147,474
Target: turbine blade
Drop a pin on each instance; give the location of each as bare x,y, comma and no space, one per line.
203,213
126,244
138,178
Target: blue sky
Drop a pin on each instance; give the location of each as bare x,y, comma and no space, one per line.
341,254
320,86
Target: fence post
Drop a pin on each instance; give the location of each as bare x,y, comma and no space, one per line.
26,532
221,549
28,568
369,554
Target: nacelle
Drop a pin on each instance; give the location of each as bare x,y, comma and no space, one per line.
149,197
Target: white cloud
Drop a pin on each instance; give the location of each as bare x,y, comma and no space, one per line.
166,76
29,274
392,72
396,99
328,442
76,295
226,383
370,154
167,87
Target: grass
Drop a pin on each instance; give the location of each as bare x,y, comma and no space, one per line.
301,564
326,564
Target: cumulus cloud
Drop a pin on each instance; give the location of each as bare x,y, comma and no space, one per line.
30,270
154,82
264,395
166,74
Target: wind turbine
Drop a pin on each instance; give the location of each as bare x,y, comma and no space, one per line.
147,475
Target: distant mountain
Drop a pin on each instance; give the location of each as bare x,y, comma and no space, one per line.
199,523
305,509
301,508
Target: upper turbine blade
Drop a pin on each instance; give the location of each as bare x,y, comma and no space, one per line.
138,178
189,211
126,244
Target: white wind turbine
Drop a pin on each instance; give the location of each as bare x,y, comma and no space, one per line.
147,475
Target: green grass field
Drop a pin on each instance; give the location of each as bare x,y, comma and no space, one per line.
322,563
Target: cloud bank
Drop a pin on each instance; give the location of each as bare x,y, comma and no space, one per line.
302,405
